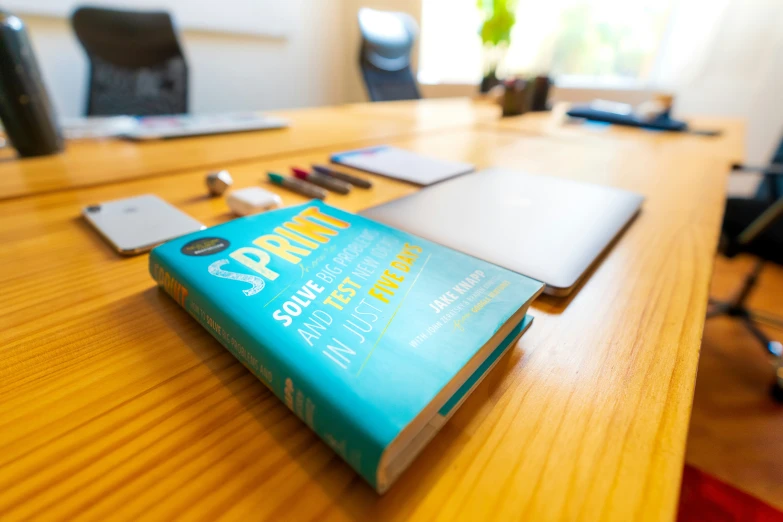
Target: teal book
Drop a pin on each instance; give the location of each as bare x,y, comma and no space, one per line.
372,336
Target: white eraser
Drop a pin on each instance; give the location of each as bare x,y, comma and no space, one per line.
252,200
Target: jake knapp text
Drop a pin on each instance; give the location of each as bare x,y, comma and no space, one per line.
447,298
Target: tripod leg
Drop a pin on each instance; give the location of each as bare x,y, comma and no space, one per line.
773,347
762,317
718,308
747,287
777,385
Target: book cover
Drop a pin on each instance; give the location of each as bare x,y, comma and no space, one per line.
357,327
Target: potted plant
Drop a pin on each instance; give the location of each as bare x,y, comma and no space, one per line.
497,20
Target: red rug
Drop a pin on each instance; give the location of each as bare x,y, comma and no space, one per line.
706,499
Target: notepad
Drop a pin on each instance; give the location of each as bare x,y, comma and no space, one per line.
402,164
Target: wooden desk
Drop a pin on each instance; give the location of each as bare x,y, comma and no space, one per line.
88,163
114,403
555,123
432,114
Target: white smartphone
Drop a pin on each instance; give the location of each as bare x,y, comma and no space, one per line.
136,225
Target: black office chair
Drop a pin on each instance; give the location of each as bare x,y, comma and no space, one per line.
385,55
755,226
771,187
136,64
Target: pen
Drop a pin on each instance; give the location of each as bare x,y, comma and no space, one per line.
297,185
353,180
329,183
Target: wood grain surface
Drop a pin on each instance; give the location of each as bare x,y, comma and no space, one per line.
91,162
115,404
555,123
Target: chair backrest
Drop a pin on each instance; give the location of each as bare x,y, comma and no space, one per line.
771,188
385,55
137,66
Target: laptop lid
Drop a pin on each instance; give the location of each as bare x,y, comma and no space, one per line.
547,228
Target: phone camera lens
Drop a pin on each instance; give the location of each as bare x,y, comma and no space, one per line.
94,208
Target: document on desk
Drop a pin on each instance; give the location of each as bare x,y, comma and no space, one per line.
402,164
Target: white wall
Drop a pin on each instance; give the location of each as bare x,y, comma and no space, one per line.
317,64
227,72
726,58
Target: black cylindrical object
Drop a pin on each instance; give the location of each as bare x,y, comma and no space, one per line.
541,85
25,109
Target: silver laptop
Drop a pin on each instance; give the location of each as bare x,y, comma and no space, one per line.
547,228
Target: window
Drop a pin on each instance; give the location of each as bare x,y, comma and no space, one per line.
582,42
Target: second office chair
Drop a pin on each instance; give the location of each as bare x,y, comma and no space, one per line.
137,66
755,226
385,55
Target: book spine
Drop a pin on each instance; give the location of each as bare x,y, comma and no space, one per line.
289,384
199,308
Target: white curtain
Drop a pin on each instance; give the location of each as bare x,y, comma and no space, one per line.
720,57
725,57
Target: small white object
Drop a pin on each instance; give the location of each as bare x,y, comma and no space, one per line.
650,110
621,109
252,200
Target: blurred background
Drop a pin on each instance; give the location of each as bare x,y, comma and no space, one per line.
719,57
